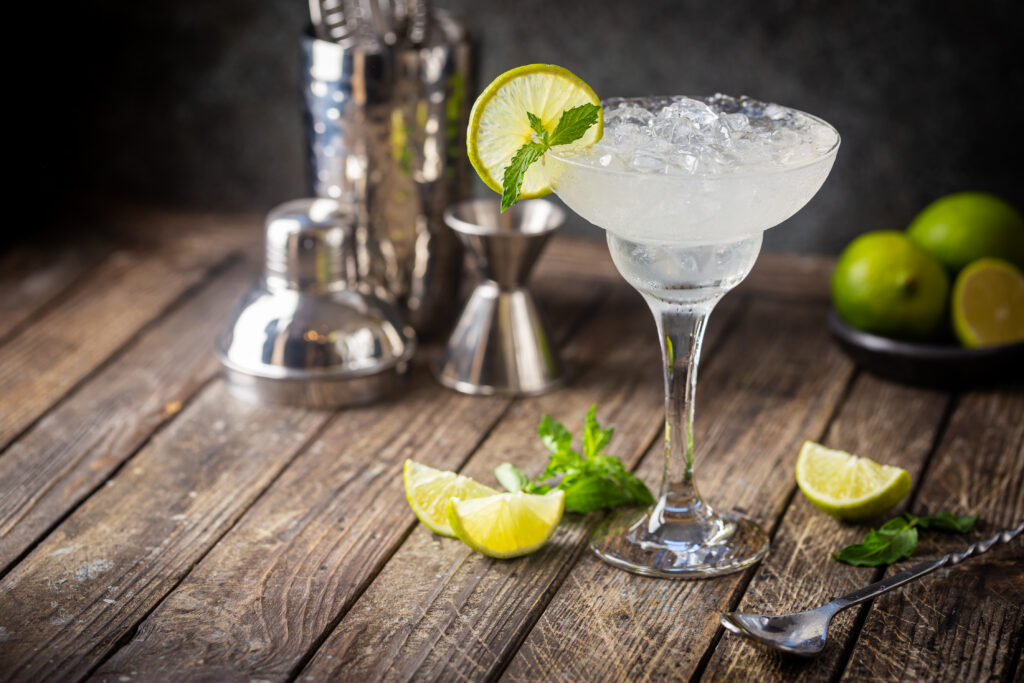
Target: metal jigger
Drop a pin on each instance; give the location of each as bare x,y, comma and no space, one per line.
499,345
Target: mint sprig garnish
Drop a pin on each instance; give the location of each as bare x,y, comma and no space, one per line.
897,538
572,125
512,181
591,480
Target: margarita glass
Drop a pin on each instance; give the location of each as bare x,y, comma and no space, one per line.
685,188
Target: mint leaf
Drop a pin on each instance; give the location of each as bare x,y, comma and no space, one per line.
538,127
895,541
574,123
946,521
554,434
512,181
590,483
594,438
637,489
587,494
564,464
897,538
511,477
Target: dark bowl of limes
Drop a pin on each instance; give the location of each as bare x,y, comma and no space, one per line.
940,304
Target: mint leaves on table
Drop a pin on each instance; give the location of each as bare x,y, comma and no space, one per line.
571,127
591,480
897,538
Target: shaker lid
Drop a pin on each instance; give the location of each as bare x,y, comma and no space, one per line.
308,245
303,336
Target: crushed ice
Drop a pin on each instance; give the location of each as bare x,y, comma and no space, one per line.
712,136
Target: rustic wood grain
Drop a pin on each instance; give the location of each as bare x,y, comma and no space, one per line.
102,312
74,448
308,547
796,276
271,587
881,420
249,543
439,611
31,277
964,623
105,567
775,383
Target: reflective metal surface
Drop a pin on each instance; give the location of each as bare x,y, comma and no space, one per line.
499,345
805,633
385,127
312,332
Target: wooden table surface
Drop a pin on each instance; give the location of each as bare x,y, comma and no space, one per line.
154,528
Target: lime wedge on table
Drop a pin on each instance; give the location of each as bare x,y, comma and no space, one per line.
846,486
988,304
428,491
499,126
508,524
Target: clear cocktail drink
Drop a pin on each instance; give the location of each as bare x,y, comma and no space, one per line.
685,188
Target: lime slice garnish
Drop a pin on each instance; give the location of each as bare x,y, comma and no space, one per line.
499,126
508,524
988,304
428,491
846,486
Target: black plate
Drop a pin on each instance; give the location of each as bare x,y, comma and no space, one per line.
943,366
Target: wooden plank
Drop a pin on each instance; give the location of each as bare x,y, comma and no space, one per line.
439,610
31,277
966,623
775,383
105,567
888,422
127,290
308,547
262,597
796,276
74,448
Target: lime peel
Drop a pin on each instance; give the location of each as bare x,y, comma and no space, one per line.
988,304
500,125
428,491
846,486
506,525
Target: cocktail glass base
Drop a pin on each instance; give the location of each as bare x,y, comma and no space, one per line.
701,546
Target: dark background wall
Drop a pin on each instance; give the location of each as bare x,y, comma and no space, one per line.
196,102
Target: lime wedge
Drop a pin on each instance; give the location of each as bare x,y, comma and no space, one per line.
428,491
508,524
499,126
846,486
988,304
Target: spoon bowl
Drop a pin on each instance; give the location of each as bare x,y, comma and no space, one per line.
800,633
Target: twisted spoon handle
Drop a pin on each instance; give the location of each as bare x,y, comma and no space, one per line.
923,568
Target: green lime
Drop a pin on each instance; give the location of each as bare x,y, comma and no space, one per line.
988,304
507,524
887,285
429,490
499,126
846,486
966,226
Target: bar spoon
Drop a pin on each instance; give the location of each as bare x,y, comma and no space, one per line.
804,633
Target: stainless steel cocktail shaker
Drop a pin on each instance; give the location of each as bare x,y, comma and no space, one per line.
386,121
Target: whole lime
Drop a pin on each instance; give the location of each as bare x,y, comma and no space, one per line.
885,284
964,227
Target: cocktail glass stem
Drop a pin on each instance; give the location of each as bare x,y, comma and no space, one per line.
681,331
681,536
